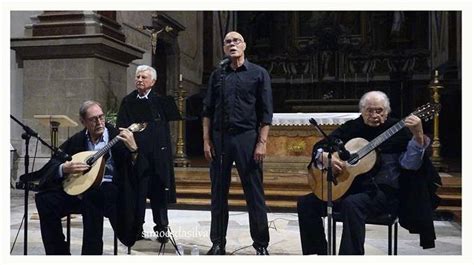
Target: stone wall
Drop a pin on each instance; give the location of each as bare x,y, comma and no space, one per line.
191,46
60,71
53,74
130,21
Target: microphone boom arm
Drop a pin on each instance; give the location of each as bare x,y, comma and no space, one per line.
56,151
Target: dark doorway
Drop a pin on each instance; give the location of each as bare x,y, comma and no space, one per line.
160,64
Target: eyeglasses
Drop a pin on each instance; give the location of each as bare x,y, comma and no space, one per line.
235,41
375,110
96,119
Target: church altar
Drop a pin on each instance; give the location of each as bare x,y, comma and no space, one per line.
291,138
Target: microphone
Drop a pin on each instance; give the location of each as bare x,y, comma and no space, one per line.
344,155
225,61
315,124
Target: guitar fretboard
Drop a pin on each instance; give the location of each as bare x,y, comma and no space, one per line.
380,139
104,150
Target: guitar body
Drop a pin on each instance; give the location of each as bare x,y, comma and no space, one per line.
75,184
318,179
363,158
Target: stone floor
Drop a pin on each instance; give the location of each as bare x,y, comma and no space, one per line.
191,228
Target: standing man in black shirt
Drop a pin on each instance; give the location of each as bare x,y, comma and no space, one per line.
243,119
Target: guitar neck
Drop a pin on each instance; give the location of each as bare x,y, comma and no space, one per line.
103,151
380,139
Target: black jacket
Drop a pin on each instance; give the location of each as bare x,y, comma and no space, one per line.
417,190
154,142
124,178
418,200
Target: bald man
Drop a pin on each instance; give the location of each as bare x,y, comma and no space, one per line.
242,116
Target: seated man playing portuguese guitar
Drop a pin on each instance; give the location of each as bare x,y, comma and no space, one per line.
103,161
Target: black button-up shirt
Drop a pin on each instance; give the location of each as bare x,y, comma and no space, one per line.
247,98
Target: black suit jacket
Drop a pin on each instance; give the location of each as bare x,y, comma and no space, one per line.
418,200
49,174
125,178
154,142
417,192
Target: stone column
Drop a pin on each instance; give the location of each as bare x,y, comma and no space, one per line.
69,57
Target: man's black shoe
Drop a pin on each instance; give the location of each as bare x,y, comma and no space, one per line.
216,249
262,251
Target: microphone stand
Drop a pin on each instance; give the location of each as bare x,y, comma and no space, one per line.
168,231
220,190
56,152
331,146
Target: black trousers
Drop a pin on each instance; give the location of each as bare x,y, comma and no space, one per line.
355,209
94,205
239,148
151,187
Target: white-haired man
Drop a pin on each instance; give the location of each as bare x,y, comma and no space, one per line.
156,175
378,191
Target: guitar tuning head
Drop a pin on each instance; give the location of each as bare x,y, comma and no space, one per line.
427,111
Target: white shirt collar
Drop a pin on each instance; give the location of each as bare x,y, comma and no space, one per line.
144,96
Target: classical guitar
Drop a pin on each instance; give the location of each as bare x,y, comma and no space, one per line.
363,158
77,183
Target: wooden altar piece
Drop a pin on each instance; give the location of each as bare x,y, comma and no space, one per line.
291,138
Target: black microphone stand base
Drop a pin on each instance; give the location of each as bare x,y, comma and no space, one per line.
171,239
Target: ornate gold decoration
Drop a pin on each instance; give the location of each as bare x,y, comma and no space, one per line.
180,159
154,34
296,147
435,86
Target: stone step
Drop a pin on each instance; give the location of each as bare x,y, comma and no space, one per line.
282,189
270,194
449,190
238,186
451,196
451,199
281,206
454,211
450,184
450,179
234,204
203,177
